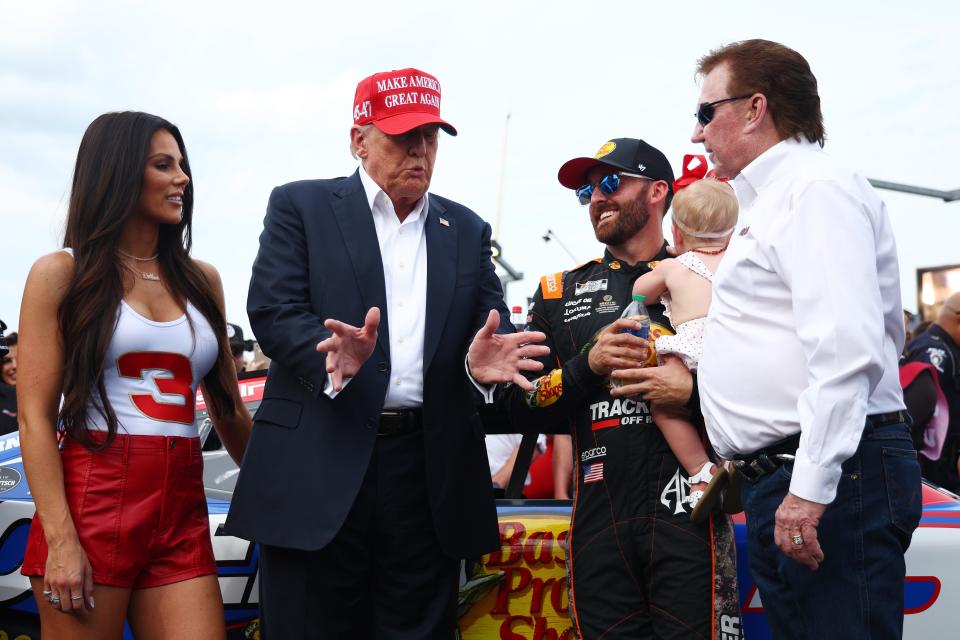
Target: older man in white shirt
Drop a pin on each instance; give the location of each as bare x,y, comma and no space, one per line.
798,378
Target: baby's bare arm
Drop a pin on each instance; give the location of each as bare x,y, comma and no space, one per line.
654,283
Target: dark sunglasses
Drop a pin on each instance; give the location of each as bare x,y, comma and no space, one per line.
706,110
608,184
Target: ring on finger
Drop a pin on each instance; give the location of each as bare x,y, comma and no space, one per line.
797,539
76,597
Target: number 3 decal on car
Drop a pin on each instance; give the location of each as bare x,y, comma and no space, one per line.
173,376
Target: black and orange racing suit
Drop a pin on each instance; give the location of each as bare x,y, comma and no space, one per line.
639,568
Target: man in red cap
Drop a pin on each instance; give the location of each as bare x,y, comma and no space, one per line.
366,478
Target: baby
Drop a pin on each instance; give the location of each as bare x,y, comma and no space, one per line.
704,215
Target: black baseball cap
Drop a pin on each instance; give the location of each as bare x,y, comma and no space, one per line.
626,154
235,337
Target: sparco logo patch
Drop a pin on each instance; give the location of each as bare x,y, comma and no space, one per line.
550,286
590,287
9,478
590,454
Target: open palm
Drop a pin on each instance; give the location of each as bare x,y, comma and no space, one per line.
349,346
497,358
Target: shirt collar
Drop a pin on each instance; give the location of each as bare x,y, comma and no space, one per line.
373,191
765,169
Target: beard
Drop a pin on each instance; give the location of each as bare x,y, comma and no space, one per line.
631,220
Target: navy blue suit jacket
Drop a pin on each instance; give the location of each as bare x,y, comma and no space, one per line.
319,258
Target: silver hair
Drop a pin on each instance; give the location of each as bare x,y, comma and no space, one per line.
363,130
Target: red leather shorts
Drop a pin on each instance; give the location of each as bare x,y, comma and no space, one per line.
139,511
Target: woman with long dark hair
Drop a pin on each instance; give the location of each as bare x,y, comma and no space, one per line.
124,325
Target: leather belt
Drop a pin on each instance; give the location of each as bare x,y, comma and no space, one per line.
398,422
754,466
883,419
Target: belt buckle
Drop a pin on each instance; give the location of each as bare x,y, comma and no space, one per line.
397,421
755,468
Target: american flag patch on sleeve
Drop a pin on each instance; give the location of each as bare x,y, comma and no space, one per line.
592,472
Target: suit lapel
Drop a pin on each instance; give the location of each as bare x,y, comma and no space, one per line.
441,233
352,213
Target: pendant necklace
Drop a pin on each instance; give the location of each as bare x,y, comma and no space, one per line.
146,275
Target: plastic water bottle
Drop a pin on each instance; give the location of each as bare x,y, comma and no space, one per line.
516,318
636,310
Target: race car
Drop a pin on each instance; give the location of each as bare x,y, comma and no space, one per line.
518,592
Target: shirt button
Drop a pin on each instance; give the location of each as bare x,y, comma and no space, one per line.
399,303
400,340
402,265
397,382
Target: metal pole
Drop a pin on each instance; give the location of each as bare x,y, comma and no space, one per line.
550,235
946,196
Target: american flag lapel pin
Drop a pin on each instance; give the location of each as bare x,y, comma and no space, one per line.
444,222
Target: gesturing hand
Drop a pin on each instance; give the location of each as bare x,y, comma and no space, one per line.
496,357
349,347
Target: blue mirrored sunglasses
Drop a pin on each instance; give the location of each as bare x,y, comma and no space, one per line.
608,184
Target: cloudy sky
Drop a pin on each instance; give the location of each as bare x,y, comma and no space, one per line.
263,95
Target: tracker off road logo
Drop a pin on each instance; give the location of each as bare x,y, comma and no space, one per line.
619,412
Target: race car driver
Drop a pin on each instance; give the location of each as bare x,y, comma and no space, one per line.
639,568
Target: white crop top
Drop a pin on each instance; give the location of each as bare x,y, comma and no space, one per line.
151,373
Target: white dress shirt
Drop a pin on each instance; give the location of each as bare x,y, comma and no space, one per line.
403,252
806,325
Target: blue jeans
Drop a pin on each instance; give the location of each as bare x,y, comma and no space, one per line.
858,590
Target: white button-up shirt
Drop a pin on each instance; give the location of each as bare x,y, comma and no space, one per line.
403,250
806,325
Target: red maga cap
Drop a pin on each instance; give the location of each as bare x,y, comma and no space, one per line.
398,101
